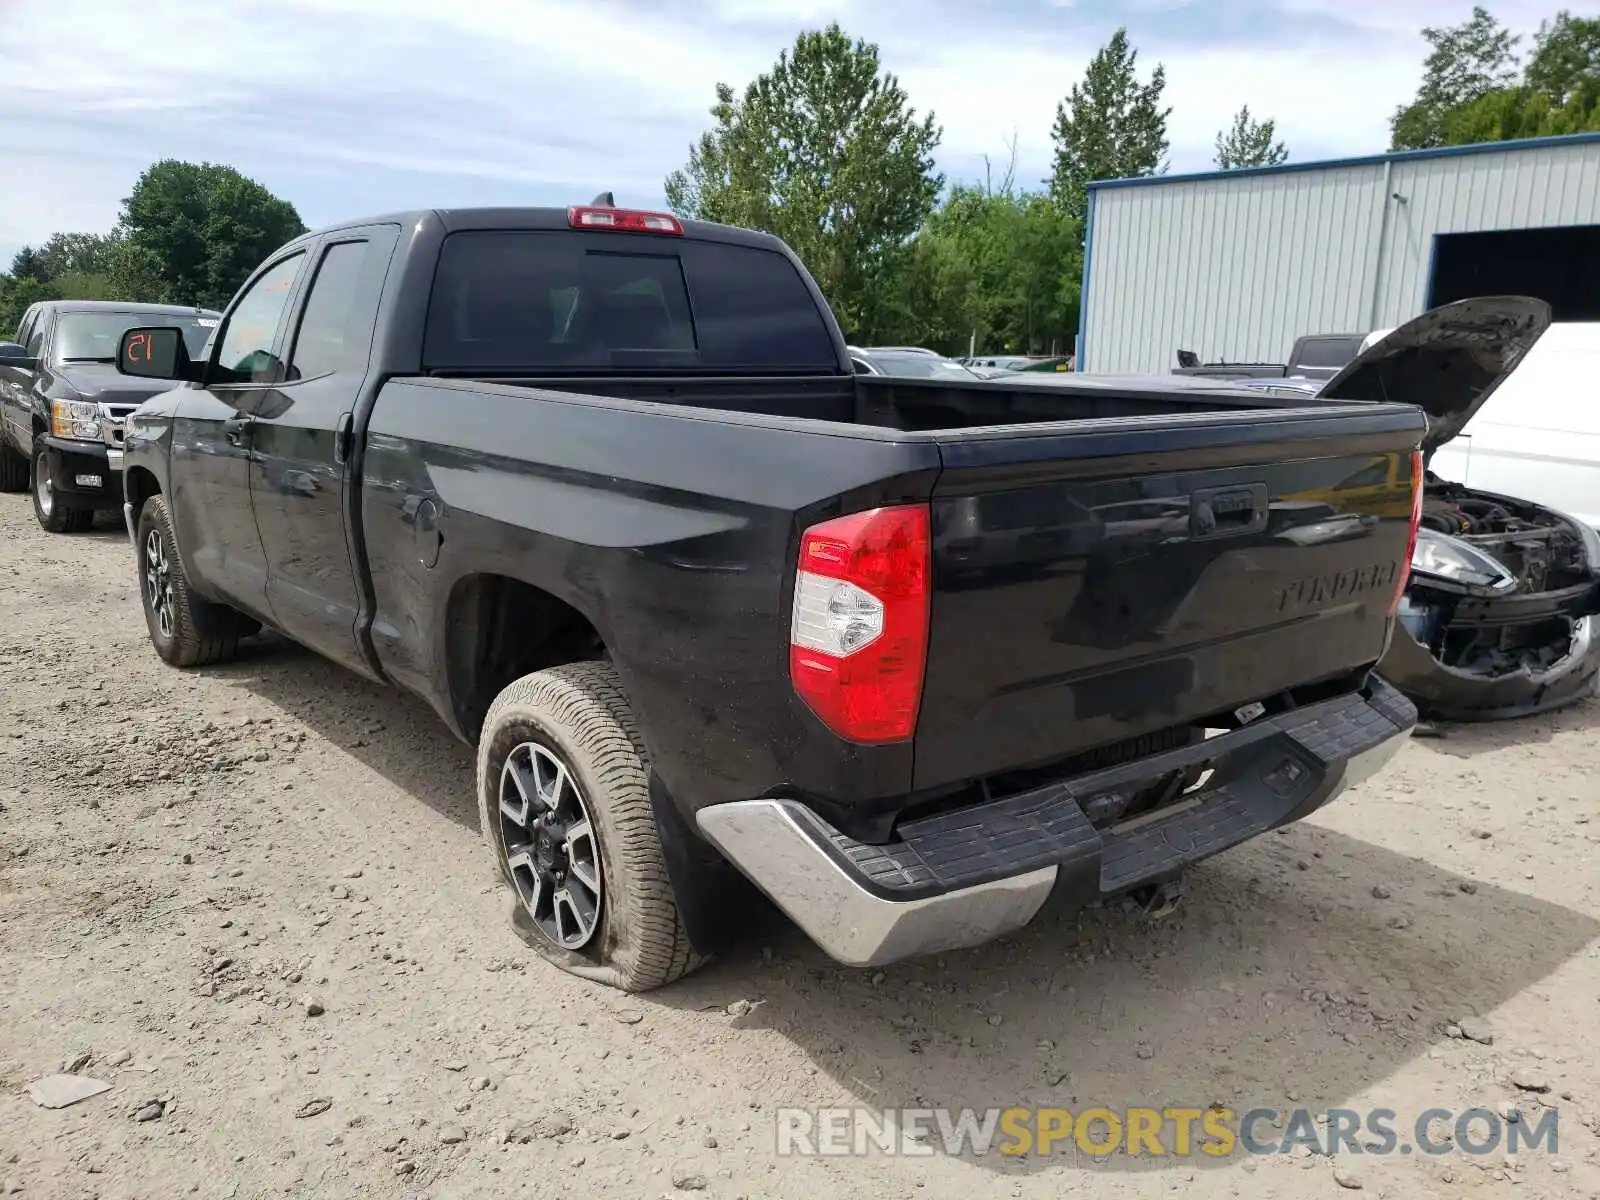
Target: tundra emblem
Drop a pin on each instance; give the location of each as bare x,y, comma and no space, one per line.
1317,591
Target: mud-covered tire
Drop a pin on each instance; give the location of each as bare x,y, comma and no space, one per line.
580,714
54,516
194,632
13,469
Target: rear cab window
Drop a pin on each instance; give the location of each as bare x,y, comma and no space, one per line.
563,300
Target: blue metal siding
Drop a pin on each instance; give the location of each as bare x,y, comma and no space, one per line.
1083,292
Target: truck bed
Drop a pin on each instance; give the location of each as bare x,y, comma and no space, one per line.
910,405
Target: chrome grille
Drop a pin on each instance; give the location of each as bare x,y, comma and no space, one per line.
115,422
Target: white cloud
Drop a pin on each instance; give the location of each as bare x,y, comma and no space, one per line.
449,102
1407,17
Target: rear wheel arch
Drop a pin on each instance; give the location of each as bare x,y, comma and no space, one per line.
499,628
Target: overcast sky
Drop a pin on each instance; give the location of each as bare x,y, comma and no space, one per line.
352,107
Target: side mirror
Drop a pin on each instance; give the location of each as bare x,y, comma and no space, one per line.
13,355
155,353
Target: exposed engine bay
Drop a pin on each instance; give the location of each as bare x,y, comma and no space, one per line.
1483,564
1542,549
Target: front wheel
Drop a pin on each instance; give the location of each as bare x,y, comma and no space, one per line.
54,516
564,802
185,630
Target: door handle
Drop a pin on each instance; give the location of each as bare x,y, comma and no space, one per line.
342,436
234,429
1228,511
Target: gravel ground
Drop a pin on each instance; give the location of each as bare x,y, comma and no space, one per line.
254,901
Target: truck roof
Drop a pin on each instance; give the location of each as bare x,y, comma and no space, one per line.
548,217
114,306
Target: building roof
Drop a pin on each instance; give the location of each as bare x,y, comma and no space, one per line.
1571,139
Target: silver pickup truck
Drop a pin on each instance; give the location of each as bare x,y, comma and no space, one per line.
63,404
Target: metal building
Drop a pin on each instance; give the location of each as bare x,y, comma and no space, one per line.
1235,265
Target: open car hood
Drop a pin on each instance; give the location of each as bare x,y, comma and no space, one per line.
1448,361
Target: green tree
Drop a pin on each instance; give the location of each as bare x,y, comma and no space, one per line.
77,253
1250,143
18,293
1001,268
934,300
1565,64
826,152
28,263
1110,126
1509,113
194,232
1466,61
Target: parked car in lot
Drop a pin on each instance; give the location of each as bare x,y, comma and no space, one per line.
62,403
906,364
1318,356
1538,435
1499,617
602,487
991,365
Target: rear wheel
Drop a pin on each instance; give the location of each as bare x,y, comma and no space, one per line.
564,801
185,630
13,469
54,516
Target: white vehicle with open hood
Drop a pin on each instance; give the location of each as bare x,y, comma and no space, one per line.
1538,435
1499,615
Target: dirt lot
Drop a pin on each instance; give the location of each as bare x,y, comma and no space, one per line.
191,865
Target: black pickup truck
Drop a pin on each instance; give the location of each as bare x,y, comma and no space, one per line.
62,403
913,656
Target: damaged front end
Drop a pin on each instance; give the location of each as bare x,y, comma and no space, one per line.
1499,615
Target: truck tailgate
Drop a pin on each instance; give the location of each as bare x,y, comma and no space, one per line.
1105,580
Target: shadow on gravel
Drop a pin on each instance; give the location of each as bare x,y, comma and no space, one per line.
388,730
1272,981
1281,976
1464,740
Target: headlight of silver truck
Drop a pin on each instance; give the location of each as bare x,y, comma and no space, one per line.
78,419
1442,560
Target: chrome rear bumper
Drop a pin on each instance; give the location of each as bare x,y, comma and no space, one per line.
765,839
959,879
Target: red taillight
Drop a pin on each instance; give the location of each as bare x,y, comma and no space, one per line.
858,638
623,220
1417,472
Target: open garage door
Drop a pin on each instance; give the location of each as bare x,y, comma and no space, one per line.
1561,266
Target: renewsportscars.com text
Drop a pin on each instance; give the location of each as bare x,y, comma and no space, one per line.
1160,1132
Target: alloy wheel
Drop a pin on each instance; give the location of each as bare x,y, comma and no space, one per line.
158,582
43,490
550,844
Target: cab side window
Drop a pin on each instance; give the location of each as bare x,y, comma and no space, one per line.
35,343
337,322
245,354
